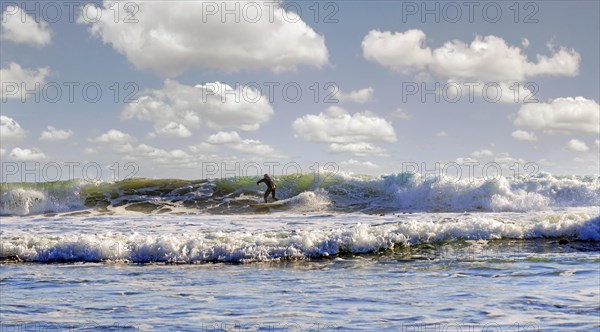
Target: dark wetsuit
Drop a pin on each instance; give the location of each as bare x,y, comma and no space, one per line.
270,187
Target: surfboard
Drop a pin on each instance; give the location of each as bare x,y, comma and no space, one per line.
278,203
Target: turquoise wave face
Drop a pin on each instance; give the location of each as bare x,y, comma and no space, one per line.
331,192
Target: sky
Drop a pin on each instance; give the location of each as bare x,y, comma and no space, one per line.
197,89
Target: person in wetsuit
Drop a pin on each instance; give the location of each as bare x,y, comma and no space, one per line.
270,186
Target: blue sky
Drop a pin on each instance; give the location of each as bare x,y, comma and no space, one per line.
173,58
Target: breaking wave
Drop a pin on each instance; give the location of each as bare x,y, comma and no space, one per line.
332,192
359,234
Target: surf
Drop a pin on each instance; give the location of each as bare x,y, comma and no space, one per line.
335,192
262,238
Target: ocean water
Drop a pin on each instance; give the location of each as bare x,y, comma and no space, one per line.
392,253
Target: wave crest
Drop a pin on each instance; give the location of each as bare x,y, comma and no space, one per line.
370,235
335,192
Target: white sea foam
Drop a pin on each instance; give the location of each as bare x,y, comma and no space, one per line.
310,201
396,192
23,201
502,194
198,239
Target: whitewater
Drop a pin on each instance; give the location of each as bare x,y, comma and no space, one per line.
403,192
397,252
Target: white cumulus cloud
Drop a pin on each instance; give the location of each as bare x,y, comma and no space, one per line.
20,27
356,96
465,160
346,133
336,125
354,162
223,137
248,146
13,77
177,108
172,129
507,160
27,154
407,51
114,136
523,135
577,146
401,114
160,156
170,38
358,149
564,115
399,51
358,166
55,134
10,131
482,153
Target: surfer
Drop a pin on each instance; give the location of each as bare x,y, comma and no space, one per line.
270,186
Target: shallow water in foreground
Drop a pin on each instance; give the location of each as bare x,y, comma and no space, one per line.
555,288
419,272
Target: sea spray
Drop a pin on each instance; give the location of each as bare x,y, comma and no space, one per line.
334,192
